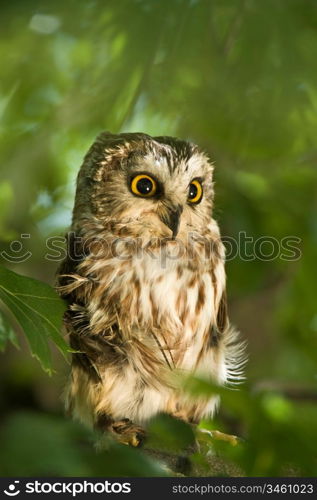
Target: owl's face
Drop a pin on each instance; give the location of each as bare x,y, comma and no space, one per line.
160,185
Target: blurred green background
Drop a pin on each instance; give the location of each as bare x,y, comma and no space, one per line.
238,77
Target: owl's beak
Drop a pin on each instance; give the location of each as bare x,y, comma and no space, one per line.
172,219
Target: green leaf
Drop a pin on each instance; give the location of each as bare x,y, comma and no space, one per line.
39,311
168,433
7,333
47,445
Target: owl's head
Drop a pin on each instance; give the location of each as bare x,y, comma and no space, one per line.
159,184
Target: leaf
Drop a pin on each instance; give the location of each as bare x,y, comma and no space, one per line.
34,443
7,333
168,433
48,445
39,311
121,460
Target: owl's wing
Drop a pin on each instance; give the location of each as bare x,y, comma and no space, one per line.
222,314
91,350
219,328
68,269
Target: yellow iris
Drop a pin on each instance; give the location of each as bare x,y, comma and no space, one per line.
143,185
195,191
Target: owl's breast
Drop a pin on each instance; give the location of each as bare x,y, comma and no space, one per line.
177,300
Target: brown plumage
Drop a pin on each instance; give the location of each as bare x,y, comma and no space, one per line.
145,283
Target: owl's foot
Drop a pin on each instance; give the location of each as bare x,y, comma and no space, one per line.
126,432
218,436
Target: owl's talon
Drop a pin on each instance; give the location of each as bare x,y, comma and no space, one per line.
216,435
126,432
222,436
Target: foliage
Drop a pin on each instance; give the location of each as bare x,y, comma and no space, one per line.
239,78
53,447
39,311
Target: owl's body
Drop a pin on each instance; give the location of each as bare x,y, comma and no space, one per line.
145,283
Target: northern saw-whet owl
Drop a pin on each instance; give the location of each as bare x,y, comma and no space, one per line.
144,281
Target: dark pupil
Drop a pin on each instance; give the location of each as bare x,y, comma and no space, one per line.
192,191
144,186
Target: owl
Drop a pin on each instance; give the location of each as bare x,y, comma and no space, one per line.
145,284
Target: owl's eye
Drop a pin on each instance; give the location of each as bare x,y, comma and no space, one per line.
143,185
195,191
